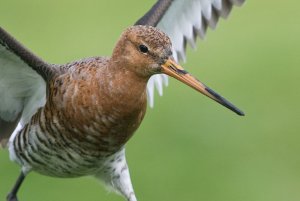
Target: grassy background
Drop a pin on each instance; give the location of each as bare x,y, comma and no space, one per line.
188,147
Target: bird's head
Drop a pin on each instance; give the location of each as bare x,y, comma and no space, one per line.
146,51
143,49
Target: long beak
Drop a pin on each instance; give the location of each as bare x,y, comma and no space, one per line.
170,67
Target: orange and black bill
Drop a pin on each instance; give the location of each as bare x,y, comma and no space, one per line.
171,68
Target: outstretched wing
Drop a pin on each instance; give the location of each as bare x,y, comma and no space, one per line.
183,21
22,84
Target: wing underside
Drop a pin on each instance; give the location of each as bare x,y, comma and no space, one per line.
22,84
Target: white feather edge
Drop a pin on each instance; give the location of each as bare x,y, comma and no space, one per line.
22,89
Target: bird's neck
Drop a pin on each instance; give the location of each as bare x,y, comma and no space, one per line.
124,86
125,101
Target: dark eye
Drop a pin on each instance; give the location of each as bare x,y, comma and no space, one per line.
143,48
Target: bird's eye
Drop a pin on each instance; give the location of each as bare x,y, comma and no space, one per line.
143,48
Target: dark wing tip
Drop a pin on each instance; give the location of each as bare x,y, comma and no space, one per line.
154,15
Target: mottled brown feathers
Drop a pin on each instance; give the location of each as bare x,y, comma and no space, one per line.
95,100
150,35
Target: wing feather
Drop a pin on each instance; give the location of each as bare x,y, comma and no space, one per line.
183,21
22,84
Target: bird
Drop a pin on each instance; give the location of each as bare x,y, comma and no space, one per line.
75,119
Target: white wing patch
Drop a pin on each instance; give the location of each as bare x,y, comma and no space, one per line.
22,90
156,81
180,22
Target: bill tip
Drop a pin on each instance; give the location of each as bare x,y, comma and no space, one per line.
240,113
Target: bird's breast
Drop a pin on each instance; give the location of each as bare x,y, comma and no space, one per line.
101,114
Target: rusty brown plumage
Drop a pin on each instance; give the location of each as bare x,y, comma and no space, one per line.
92,94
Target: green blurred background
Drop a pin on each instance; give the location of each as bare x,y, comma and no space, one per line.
188,147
